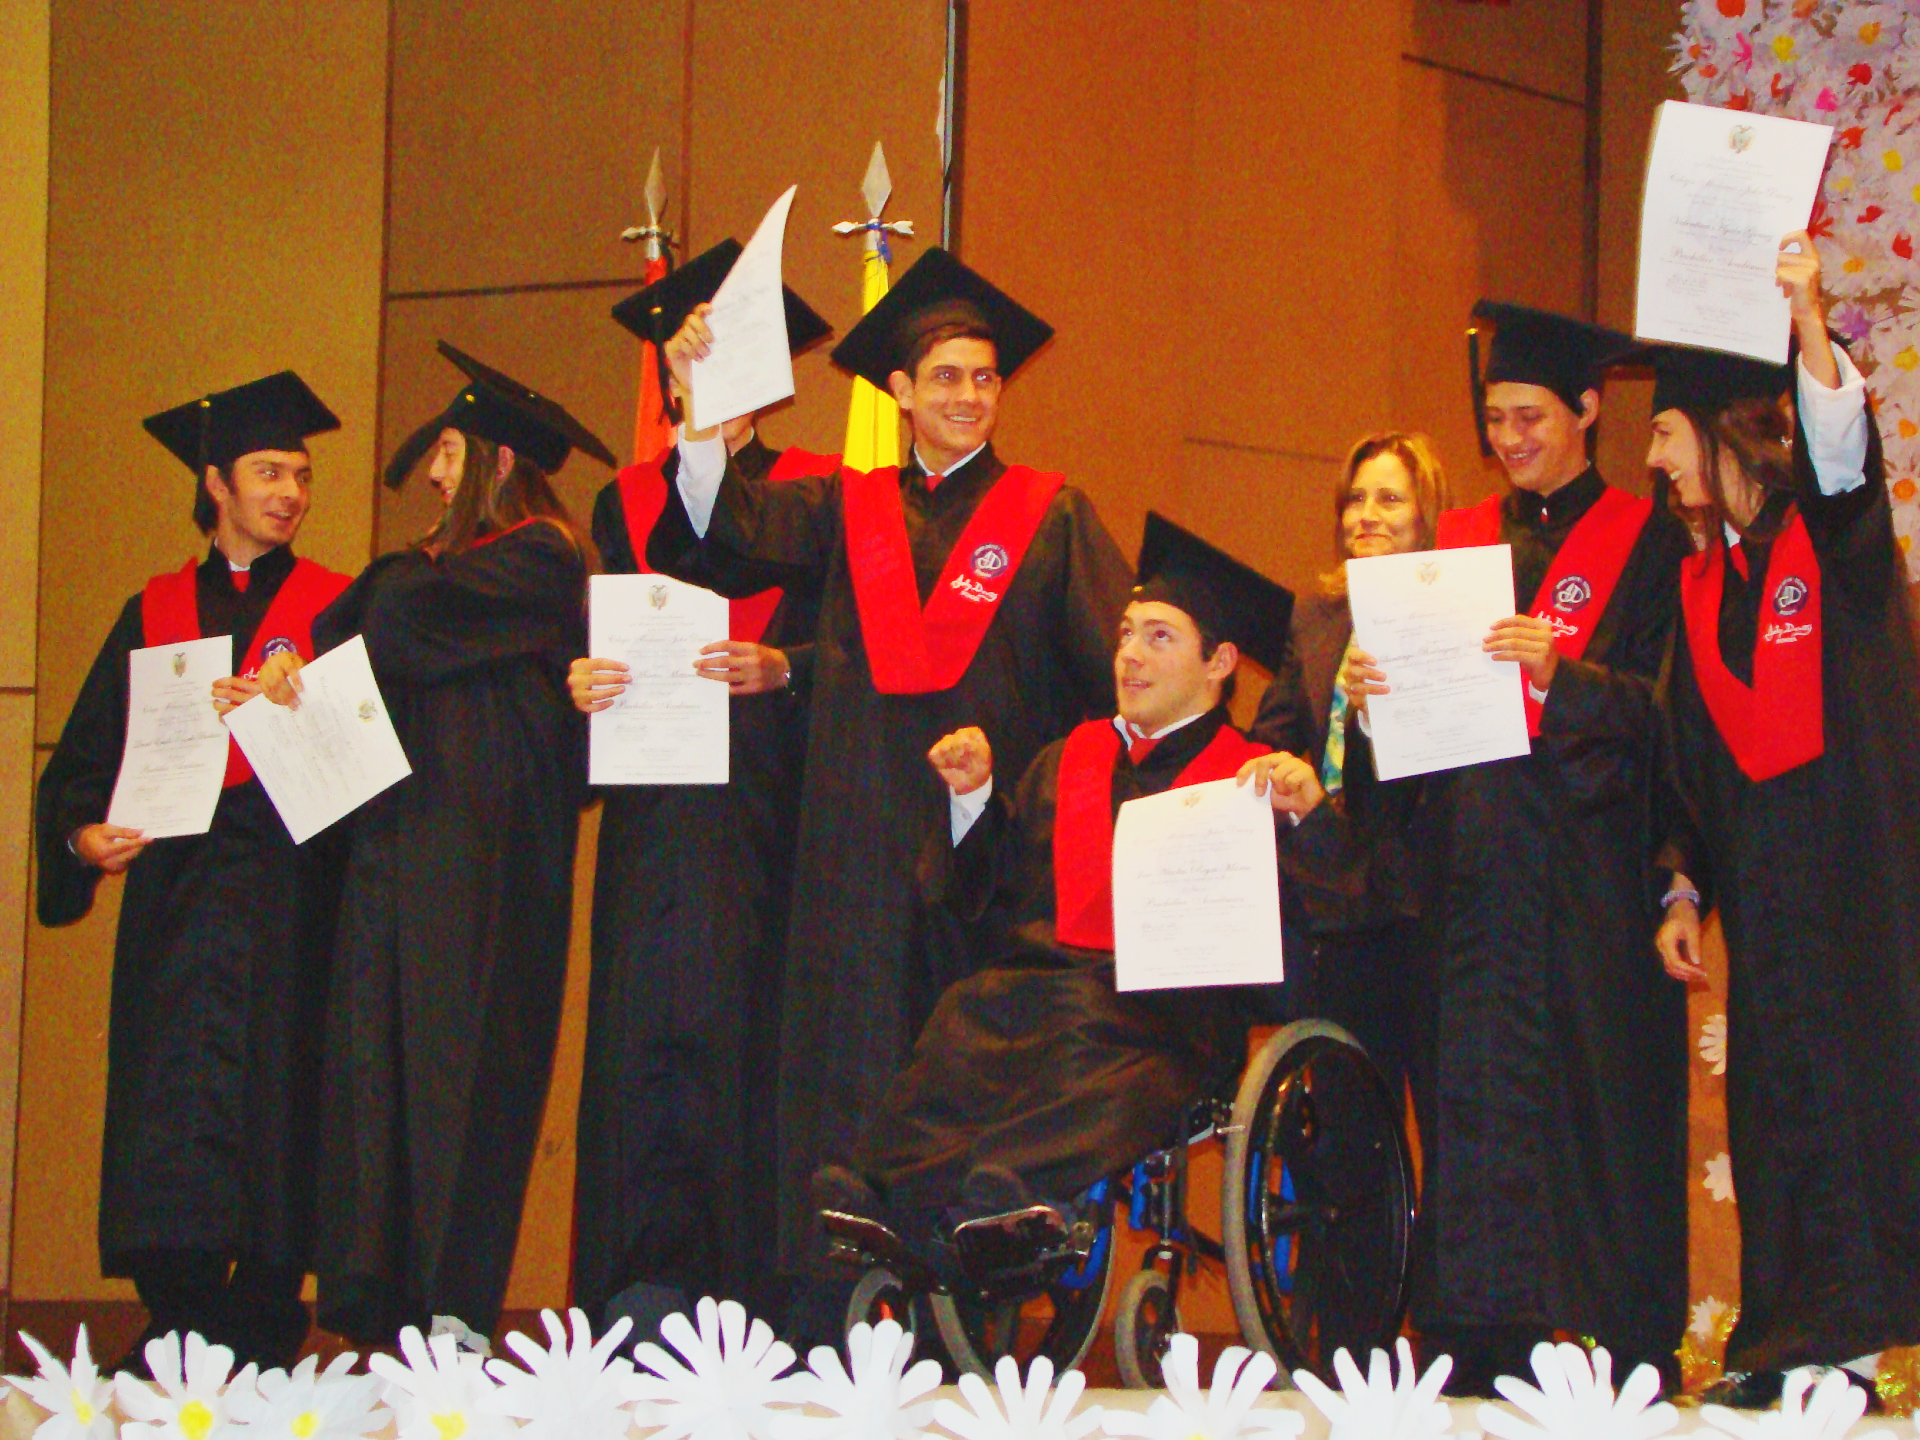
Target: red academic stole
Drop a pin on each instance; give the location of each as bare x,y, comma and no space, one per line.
170,614
1579,584
643,495
1083,823
1778,722
911,651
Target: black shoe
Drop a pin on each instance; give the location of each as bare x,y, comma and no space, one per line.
994,1190
1745,1389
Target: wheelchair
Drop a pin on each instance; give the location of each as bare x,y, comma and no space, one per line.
1315,1222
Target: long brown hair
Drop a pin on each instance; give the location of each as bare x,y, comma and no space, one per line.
1431,495
1754,436
484,505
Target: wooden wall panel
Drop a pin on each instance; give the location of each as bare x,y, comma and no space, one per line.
1539,44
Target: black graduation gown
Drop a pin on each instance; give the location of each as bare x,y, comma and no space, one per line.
451,958
1035,1062
219,977
866,958
1554,1189
1816,873
1354,958
676,1137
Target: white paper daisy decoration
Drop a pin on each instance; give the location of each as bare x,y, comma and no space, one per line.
1186,1412
881,1399
440,1393
188,1399
567,1391
75,1397
312,1404
1382,1405
1035,1411
1706,1317
733,1378
1719,1177
1833,1409
1713,1043
1575,1400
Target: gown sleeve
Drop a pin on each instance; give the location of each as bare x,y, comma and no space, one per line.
1283,721
1097,581
762,533
78,783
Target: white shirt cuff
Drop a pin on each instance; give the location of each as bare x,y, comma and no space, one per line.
703,463
963,810
1538,696
1366,725
1836,425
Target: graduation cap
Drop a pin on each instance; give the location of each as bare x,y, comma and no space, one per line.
1707,381
938,290
659,310
1229,600
1538,347
276,412
499,408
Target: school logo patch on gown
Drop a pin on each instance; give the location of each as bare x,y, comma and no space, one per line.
1572,594
989,561
278,645
1790,596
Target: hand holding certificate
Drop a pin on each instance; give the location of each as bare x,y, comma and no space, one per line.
1424,617
333,753
670,726
1196,889
750,365
1722,188
175,759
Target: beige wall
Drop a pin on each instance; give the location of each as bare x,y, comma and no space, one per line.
211,218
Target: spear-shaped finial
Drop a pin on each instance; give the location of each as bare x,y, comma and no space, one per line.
875,189
659,239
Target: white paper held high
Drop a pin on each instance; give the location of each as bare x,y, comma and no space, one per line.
750,366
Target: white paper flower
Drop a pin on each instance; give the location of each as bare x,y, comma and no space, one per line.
1713,1043
1719,1179
1706,1316
568,1391
189,1396
1827,1414
1575,1400
733,1376
1186,1412
312,1404
1382,1406
1029,1415
440,1393
75,1398
876,1401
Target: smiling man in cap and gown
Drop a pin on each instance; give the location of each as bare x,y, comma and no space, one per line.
450,962
955,591
1554,1192
219,972
676,1136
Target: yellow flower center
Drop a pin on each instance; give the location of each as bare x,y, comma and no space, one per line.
195,1420
1783,47
82,1411
1842,184
1894,160
450,1427
1870,32
1853,265
305,1423
1908,358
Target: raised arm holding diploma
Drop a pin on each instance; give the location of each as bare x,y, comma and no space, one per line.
1722,188
1423,617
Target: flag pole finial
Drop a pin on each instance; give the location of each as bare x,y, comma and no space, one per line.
876,188
659,239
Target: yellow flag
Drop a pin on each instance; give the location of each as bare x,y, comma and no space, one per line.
873,420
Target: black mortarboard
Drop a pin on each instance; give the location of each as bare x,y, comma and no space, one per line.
1230,600
656,312
499,408
1708,381
938,290
1537,347
277,412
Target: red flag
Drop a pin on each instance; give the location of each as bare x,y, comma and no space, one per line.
653,430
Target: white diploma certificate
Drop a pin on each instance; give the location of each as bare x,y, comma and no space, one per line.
1423,617
330,756
1196,889
176,753
670,728
750,366
1723,188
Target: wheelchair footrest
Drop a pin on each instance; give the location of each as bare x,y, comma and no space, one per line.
862,1243
1012,1251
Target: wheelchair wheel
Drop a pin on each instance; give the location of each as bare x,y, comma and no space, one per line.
1316,1201
1059,1322
880,1295
1144,1321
